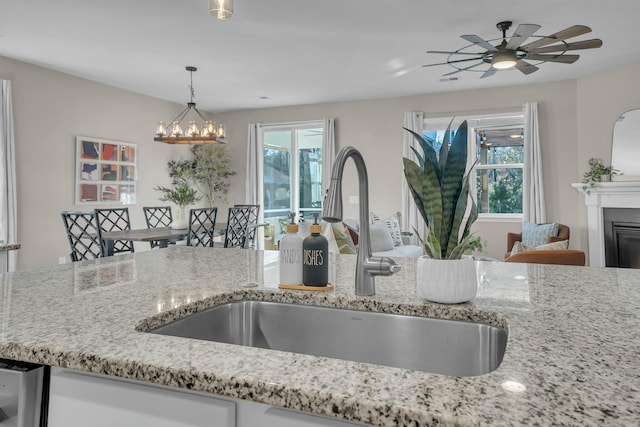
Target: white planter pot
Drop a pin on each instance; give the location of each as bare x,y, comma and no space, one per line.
447,281
180,221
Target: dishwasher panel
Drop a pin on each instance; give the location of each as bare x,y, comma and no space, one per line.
20,393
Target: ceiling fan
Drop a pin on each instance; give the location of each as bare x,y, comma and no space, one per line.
512,53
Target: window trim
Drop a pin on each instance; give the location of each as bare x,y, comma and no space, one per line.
294,171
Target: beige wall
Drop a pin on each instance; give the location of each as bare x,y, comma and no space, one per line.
602,98
51,109
375,128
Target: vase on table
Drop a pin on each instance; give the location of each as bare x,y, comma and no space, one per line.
446,281
180,221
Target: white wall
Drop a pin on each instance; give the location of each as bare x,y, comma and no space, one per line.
51,109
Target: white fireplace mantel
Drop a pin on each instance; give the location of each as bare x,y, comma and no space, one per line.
616,194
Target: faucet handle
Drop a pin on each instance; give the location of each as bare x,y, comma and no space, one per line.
387,266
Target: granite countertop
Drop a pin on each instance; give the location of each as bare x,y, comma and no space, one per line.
573,348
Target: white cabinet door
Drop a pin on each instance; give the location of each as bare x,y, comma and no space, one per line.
81,400
275,417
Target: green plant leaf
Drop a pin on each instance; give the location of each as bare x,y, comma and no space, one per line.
414,177
461,209
440,189
452,179
419,157
444,148
432,246
429,154
458,251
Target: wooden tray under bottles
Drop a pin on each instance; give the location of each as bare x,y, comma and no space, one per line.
327,288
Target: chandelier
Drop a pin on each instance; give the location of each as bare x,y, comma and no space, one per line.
207,133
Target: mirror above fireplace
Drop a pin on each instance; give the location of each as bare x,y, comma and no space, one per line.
625,150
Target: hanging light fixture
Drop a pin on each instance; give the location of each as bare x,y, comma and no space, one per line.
221,9
207,133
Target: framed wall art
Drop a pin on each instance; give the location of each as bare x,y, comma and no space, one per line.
106,171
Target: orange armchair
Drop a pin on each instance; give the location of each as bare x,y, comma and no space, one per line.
557,256
512,238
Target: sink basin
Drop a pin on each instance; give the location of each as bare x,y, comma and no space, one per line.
440,346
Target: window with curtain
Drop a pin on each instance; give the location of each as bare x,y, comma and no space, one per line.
292,169
496,142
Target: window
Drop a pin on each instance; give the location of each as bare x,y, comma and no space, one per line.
496,142
292,177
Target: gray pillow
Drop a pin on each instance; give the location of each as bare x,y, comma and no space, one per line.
380,237
537,234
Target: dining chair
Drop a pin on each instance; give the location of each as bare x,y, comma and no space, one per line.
115,219
252,227
202,223
157,216
84,235
237,227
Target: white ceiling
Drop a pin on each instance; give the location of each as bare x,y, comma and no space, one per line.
297,51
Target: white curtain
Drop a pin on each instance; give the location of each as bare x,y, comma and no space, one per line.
328,152
253,184
411,219
7,178
533,208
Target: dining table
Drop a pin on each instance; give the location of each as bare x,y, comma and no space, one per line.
163,235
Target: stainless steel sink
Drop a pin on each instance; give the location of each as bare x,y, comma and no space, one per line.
425,344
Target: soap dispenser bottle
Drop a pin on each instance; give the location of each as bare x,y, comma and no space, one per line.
291,255
315,257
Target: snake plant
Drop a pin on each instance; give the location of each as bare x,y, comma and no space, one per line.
440,189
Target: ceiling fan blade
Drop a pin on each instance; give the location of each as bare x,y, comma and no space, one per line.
480,42
490,72
525,67
567,33
564,59
523,32
455,53
463,69
453,62
585,44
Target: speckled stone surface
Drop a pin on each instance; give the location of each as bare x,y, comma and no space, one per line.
572,358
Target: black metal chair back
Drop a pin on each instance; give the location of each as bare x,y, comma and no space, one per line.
157,216
115,219
202,223
237,225
254,212
84,235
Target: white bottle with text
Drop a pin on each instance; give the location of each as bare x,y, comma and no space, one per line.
291,257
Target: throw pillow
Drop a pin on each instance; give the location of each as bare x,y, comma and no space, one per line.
380,237
393,224
343,239
521,247
283,225
327,232
538,234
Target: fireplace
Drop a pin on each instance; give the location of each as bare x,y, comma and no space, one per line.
614,196
622,237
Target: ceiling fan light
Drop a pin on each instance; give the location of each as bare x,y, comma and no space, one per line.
503,60
221,9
